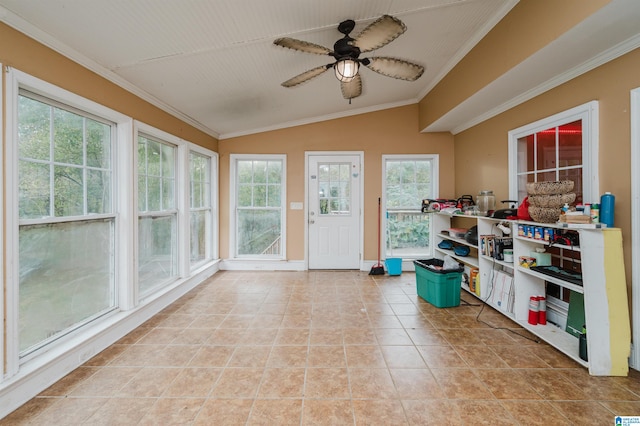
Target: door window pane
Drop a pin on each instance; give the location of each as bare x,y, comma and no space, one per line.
334,185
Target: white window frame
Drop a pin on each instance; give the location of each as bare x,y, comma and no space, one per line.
233,231
435,188
181,205
15,80
588,113
212,238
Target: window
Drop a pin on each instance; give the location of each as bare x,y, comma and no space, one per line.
200,207
66,219
561,147
407,181
258,201
157,220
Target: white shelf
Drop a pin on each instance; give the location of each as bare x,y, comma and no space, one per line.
556,337
546,243
603,287
545,277
468,260
497,262
456,240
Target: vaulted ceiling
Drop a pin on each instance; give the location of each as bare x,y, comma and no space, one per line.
214,64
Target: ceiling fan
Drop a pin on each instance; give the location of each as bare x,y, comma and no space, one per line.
347,50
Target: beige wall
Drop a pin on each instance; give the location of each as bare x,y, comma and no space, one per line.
528,27
481,152
392,131
25,54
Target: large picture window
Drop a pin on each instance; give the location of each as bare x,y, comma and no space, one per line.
157,220
407,181
66,219
258,192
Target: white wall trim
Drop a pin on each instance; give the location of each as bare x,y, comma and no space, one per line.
635,227
262,265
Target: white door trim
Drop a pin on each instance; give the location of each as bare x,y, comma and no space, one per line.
308,154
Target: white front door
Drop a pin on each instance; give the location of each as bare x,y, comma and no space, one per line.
334,211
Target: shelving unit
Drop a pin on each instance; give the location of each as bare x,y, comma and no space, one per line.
603,286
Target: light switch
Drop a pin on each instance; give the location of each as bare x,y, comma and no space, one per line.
296,205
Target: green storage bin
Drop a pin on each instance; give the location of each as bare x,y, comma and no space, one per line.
441,288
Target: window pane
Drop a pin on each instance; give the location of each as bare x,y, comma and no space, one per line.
408,234
68,192
198,235
157,258
153,194
260,195
153,158
34,125
546,149
259,232
259,172
570,144
275,172
168,161
98,144
168,200
98,191
245,196
67,137
245,171
33,189
66,277
273,196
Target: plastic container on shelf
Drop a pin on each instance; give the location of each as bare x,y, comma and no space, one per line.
607,209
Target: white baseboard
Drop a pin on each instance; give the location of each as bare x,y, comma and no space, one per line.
262,265
37,374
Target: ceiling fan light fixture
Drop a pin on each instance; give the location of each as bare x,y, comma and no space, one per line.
346,70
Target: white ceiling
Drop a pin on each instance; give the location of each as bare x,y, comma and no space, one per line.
213,62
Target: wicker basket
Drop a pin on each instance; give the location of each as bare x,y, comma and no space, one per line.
552,200
544,214
549,187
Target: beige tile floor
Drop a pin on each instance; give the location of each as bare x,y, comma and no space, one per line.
340,348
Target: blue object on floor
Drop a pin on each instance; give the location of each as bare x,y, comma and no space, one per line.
394,265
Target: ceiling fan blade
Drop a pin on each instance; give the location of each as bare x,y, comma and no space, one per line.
396,68
306,76
379,33
302,46
352,89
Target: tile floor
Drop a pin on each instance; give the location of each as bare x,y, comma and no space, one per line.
336,348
